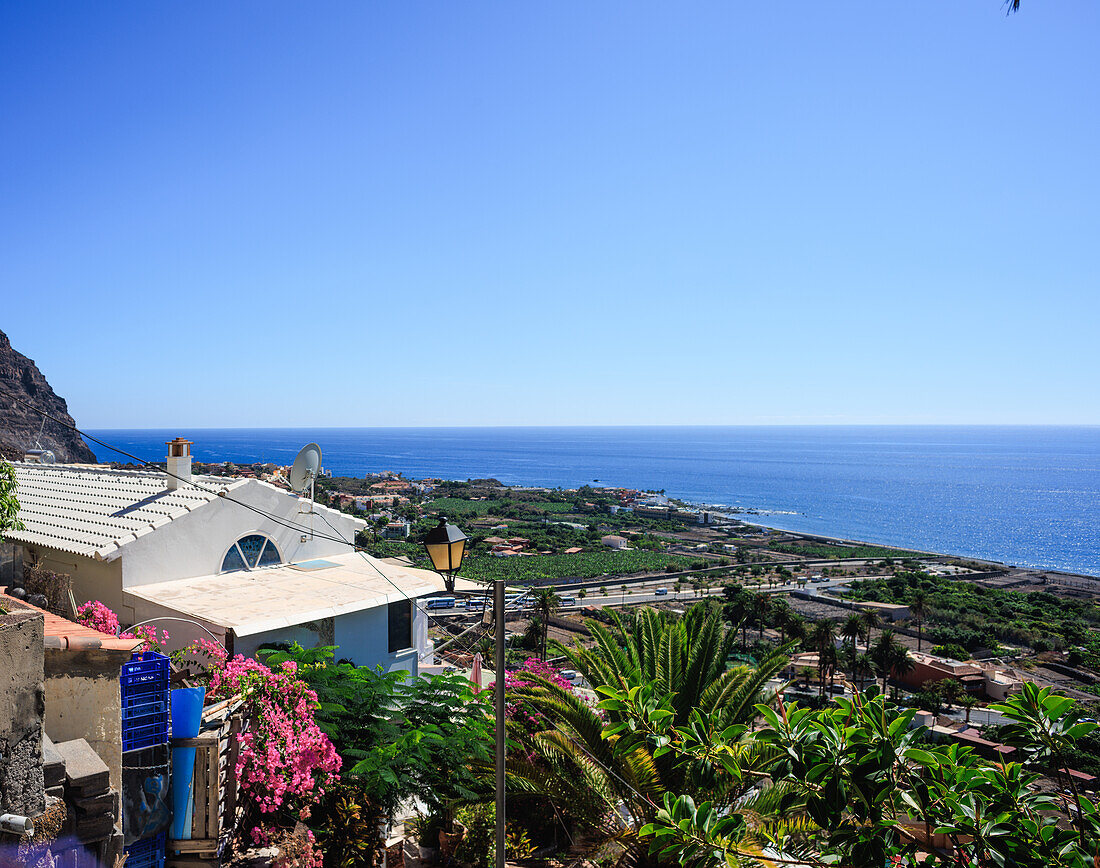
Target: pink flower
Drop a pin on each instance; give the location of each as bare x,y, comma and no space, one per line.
96,615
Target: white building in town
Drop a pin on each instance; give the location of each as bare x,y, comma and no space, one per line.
250,562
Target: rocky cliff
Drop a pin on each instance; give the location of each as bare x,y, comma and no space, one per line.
20,427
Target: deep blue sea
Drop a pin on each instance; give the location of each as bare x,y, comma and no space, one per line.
1028,496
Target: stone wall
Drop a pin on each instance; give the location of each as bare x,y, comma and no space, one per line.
22,710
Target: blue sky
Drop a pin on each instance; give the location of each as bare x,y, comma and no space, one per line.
270,214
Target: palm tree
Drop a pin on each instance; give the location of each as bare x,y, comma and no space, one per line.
545,602
903,664
952,690
796,627
823,636
618,790
852,629
685,657
918,603
862,666
781,617
889,656
870,619
968,702
761,608
613,787
737,608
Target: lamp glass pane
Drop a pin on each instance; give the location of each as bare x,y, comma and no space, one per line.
439,553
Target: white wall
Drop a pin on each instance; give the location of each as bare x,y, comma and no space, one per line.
196,543
181,633
248,645
362,637
92,579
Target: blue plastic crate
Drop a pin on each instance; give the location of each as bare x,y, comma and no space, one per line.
147,691
142,721
147,735
145,700
148,853
144,668
142,705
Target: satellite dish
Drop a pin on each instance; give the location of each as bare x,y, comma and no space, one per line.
305,468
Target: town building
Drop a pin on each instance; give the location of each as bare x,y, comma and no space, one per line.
249,562
927,667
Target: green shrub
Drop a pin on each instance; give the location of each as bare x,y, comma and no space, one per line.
955,652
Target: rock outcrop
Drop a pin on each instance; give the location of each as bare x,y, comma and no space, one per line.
20,426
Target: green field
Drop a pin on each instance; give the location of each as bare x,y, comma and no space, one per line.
827,551
460,507
585,565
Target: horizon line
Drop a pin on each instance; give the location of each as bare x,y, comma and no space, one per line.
615,426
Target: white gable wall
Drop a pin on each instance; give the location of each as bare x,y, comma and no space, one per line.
195,544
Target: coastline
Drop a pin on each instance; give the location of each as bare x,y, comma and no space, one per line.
846,541
1007,495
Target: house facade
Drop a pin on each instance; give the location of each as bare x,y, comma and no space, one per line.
238,559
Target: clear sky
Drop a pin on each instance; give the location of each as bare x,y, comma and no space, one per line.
463,213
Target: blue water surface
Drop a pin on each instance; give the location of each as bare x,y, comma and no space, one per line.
1023,495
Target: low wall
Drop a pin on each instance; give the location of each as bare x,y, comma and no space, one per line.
22,699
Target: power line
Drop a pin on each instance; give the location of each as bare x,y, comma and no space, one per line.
301,528
225,495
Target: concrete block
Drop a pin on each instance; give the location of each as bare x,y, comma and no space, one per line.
53,766
95,827
85,773
100,804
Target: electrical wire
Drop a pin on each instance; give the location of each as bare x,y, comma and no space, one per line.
225,496
339,538
207,490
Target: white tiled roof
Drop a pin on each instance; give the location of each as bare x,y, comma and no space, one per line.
95,511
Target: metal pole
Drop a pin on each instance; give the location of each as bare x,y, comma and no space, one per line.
498,613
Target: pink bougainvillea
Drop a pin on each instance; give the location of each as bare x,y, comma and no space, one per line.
285,761
148,633
516,708
97,616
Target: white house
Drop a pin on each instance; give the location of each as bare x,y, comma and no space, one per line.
614,541
248,561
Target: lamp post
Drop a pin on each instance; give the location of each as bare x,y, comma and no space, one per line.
446,545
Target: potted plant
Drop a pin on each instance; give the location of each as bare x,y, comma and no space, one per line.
426,829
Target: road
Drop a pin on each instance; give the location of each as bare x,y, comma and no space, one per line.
644,593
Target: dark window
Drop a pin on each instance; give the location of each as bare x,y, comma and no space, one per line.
254,550
401,623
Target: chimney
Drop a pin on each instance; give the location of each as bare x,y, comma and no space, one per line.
179,462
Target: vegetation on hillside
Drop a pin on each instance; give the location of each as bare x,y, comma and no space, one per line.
972,616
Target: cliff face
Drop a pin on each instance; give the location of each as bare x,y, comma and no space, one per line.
20,425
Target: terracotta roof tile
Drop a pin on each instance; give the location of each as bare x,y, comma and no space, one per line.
61,633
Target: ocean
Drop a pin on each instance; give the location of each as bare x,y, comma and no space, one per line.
1028,496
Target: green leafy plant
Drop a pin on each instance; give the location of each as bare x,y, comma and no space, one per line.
9,503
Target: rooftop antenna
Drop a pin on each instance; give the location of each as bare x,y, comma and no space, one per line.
38,455
303,475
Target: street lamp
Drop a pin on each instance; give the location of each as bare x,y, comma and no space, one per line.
446,545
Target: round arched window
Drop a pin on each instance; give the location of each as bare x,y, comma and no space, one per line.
254,550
